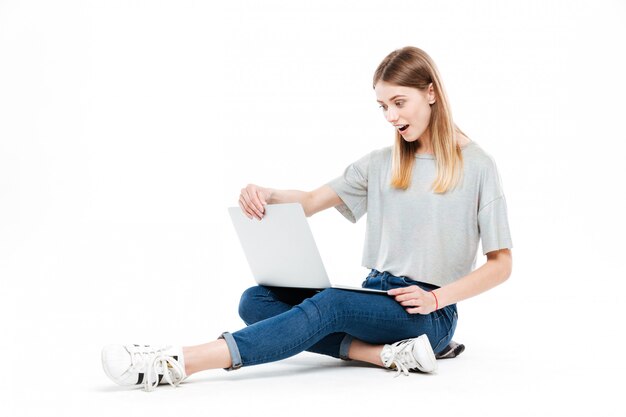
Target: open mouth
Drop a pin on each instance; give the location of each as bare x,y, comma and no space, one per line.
403,128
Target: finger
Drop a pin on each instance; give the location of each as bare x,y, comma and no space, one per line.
405,296
411,293
415,310
400,290
411,303
249,203
249,211
244,209
257,200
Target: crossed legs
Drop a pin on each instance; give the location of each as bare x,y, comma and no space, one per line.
260,303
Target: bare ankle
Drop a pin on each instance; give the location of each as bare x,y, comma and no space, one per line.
365,352
212,355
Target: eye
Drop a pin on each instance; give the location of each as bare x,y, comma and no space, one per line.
399,103
382,107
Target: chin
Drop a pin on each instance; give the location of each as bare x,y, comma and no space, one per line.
409,139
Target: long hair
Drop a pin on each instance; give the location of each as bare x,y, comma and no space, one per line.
412,67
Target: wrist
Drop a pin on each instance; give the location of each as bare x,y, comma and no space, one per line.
270,192
436,300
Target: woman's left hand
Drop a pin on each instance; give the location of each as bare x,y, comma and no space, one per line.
414,299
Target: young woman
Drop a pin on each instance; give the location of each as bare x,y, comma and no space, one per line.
429,198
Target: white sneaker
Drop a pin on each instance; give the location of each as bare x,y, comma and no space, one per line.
137,364
410,354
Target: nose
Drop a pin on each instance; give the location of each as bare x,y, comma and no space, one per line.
392,115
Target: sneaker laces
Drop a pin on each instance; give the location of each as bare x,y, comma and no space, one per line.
401,356
154,362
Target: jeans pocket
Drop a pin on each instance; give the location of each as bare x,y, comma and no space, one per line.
372,282
408,281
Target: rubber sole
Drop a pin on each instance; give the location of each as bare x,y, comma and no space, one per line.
451,351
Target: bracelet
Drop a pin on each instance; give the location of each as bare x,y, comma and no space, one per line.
436,300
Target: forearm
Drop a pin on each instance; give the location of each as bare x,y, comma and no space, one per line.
492,273
290,196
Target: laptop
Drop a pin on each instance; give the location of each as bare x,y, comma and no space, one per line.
281,251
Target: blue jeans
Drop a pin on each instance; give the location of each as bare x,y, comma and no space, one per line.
283,322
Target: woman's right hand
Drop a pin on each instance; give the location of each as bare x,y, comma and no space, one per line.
253,200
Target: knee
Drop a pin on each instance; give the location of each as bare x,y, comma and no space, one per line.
331,294
249,304
330,300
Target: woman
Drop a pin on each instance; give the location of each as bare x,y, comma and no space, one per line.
430,197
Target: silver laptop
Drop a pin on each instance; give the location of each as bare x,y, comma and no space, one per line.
281,251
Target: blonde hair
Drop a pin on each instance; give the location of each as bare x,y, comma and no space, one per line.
412,67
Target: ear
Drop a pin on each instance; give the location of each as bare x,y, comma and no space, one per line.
431,94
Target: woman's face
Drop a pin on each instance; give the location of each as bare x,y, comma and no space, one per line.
406,106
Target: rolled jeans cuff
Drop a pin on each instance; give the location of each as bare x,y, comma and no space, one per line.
344,347
235,357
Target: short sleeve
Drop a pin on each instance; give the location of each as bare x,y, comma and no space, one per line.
493,223
351,187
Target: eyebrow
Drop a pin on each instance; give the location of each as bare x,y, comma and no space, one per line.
393,98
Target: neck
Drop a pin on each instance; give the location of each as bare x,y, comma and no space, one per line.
424,147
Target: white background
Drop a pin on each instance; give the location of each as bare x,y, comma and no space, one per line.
128,127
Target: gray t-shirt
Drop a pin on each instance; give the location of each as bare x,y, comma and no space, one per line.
417,233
